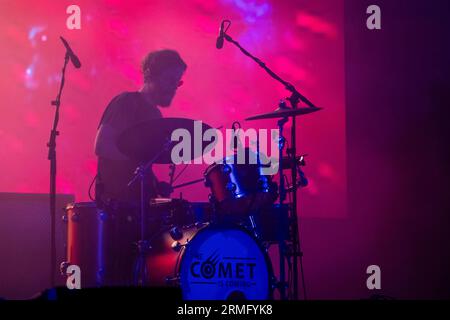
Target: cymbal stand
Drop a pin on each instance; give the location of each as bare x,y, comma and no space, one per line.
294,100
282,197
296,252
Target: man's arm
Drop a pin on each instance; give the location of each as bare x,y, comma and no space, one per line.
115,119
105,143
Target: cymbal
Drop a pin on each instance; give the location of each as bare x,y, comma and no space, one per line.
145,140
283,113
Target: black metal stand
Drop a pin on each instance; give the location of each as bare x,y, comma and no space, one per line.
52,157
140,276
282,197
295,251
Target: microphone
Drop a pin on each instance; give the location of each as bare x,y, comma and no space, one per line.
75,61
219,41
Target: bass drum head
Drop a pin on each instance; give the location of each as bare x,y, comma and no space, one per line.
225,263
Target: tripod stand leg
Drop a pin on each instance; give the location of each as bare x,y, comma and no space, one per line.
140,276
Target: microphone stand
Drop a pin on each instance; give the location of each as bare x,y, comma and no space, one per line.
295,94
296,252
52,157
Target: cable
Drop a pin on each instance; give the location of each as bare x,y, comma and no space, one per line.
228,27
90,187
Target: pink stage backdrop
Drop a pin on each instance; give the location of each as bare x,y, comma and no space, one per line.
300,40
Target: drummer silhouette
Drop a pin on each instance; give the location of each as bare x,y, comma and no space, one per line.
162,72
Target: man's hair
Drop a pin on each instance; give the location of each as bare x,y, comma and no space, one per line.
156,62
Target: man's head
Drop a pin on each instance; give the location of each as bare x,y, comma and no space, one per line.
162,72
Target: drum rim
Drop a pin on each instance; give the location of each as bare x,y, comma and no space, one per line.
212,167
82,204
224,225
232,166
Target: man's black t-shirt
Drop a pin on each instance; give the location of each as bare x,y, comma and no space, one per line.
123,112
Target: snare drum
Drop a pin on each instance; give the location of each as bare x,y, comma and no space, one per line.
166,212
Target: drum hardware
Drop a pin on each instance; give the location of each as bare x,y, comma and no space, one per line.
177,246
170,213
173,281
296,164
291,162
283,113
176,233
140,275
251,218
302,182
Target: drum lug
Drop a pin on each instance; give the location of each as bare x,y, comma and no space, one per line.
212,199
273,283
75,217
263,184
64,218
103,215
231,186
226,169
177,246
279,285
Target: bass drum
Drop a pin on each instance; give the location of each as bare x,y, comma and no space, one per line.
214,262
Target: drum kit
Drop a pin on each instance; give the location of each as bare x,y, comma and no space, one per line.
217,249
